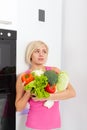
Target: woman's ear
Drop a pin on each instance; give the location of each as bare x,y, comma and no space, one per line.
31,59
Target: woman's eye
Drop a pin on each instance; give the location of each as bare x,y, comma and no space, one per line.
44,51
36,51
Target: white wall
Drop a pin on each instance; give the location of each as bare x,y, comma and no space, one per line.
74,51
29,28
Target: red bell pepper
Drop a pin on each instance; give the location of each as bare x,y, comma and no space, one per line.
26,78
50,89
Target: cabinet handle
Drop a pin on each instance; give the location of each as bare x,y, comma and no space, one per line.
5,22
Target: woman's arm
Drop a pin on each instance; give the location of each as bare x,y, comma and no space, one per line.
69,92
22,97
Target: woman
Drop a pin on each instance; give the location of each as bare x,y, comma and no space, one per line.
40,117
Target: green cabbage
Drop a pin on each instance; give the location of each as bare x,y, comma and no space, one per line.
63,80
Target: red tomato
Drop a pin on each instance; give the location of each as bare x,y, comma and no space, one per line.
50,89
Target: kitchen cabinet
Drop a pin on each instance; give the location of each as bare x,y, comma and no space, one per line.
8,13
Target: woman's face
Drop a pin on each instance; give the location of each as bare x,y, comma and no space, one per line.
39,55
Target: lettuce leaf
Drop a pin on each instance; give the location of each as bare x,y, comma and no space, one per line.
37,86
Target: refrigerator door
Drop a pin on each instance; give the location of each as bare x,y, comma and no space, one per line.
7,79
7,112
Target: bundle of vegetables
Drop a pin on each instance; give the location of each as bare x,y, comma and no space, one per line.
42,83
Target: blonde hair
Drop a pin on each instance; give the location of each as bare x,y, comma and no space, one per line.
31,47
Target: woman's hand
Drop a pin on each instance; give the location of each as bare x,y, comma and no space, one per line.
22,96
38,99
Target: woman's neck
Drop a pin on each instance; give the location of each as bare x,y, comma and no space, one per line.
34,67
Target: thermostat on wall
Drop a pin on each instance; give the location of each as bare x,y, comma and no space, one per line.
41,15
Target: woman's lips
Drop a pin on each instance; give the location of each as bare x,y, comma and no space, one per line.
40,59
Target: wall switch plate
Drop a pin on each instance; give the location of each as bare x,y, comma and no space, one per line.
41,15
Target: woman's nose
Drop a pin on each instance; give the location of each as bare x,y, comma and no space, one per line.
41,53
